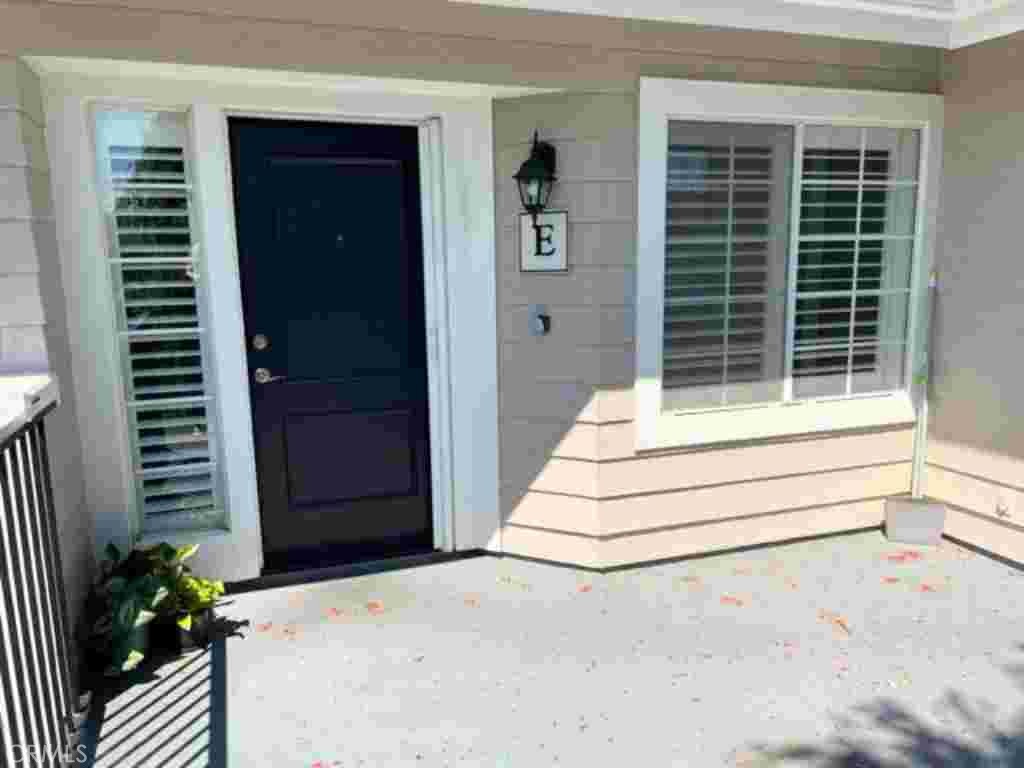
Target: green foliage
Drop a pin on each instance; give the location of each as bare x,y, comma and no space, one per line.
196,594
119,609
188,594
150,583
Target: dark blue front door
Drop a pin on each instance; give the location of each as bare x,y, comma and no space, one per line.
330,252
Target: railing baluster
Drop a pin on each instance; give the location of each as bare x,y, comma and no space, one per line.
29,624
55,570
23,672
36,700
44,598
11,673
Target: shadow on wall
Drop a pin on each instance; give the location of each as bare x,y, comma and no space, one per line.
885,734
555,450
170,713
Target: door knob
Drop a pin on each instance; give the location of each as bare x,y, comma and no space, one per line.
260,342
262,376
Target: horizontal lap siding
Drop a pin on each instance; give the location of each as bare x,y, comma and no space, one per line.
548,43
635,514
721,466
553,545
553,512
33,325
731,534
984,494
574,488
975,457
567,496
26,221
557,390
435,39
1002,540
625,479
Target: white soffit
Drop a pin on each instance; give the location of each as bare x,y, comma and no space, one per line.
937,23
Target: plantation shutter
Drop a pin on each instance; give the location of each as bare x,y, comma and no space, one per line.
858,188
725,263
156,271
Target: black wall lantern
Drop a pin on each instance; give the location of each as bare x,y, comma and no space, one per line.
536,177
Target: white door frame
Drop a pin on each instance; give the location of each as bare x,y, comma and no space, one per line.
457,187
219,215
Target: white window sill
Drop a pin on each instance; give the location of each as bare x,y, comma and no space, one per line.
181,538
684,430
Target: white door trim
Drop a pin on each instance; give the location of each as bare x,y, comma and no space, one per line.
459,252
220,217
435,284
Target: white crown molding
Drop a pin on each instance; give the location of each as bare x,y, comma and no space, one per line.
995,20
936,23
99,69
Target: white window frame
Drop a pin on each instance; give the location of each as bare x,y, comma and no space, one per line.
204,332
663,100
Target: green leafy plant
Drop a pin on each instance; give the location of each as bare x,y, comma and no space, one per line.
149,584
120,608
188,595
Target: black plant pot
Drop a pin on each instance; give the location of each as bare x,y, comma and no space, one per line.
169,638
199,635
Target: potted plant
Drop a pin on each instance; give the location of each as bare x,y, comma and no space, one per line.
119,610
149,598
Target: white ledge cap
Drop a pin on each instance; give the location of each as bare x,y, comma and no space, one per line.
22,398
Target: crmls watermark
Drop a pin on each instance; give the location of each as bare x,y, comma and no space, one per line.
32,755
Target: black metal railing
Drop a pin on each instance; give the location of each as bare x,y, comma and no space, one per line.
37,710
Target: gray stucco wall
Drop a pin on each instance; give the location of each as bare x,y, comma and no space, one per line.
33,322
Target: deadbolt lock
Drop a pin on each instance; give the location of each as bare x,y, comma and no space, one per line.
260,342
261,375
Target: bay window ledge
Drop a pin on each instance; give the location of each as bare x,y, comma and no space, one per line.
684,429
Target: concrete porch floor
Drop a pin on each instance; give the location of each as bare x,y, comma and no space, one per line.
846,651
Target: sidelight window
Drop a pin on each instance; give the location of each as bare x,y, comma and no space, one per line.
156,272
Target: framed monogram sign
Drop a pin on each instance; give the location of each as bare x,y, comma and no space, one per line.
543,246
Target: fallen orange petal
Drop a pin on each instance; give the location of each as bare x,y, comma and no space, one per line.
584,588
904,556
375,606
265,627
891,580
927,588
472,602
730,600
835,620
